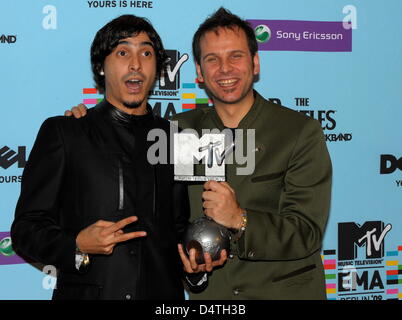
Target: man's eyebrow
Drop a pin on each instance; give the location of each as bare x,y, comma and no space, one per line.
141,44
214,54
208,55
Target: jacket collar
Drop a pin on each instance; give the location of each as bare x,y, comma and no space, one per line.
248,119
122,118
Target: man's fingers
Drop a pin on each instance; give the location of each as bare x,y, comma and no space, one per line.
82,109
193,262
208,204
184,259
68,113
119,225
76,112
212,185
226,185
208,262
219,187
221,260
103,223
128,236
209,195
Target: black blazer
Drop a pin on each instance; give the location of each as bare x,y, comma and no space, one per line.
73,178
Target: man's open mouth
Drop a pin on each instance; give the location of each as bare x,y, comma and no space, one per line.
134,84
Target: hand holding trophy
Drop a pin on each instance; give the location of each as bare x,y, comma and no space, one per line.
204,235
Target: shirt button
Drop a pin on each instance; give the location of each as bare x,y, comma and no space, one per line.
236,292
128,296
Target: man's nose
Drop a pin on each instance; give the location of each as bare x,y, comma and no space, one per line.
135,64
225,66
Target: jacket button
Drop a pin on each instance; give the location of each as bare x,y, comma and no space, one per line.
128,296
251,254
236,292
231,256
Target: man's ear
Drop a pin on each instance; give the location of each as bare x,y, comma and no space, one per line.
200,78
256,62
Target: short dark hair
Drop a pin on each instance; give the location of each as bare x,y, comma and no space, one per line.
223,18
108,37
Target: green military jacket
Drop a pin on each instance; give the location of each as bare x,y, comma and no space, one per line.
287,198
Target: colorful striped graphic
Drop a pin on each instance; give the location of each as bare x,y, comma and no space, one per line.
89,91
392,291
188,106
392,274
189,85
190,99
92,100
329,262
329,266
188,96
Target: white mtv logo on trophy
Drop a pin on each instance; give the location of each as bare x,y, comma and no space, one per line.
190,149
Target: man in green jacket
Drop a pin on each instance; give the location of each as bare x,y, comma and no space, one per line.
281,209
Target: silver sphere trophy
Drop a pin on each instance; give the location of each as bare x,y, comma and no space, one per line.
203,234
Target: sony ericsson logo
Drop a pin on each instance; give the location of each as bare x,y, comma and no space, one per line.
296,35
262,33
6,248
7,254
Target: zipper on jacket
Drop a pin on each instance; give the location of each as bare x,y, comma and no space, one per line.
121,186
154,195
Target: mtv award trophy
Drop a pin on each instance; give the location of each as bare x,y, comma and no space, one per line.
203,234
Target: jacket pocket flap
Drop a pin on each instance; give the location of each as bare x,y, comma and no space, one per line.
295,273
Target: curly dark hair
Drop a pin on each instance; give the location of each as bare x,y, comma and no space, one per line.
223,18
108,37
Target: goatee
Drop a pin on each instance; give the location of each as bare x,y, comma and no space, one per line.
132,105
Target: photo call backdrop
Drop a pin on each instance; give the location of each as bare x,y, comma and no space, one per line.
338,61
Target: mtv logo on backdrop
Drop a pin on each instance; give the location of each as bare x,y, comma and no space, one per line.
371,235
170,78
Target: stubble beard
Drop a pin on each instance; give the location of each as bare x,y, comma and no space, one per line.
215,97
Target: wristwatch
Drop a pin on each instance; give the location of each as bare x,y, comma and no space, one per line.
81,260
242,227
